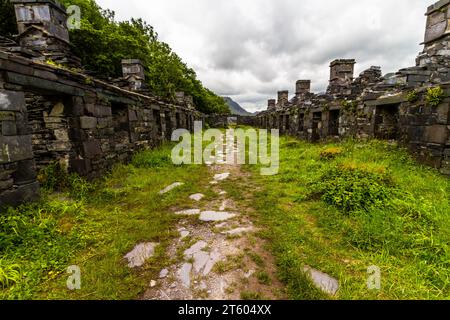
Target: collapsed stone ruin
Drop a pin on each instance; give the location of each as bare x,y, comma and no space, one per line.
410,106
56,112
51,110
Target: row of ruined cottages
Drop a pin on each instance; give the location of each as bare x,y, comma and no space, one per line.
56,112
410,106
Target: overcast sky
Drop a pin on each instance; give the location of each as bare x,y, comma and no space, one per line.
250,49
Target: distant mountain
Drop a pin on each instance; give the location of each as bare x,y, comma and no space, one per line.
235,108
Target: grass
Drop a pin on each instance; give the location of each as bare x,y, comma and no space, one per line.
93,228
343,207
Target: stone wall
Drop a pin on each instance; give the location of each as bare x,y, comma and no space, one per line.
393,107
53,114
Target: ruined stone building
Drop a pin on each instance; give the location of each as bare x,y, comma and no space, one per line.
411,106
48,112
56,112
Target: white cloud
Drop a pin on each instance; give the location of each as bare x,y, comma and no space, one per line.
251,49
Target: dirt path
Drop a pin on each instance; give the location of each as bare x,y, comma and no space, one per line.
219,254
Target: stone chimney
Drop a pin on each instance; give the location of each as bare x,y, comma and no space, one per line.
437,36
283,98
302,87
133,72
42,26
341,76
179,97
271,104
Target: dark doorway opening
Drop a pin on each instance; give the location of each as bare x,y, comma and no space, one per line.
169,127
333,124
301,122
287,125
386,121
316,126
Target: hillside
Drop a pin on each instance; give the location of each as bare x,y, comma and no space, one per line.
235,108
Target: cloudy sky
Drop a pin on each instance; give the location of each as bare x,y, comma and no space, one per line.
250,49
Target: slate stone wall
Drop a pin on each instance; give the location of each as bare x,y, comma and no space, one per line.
52,114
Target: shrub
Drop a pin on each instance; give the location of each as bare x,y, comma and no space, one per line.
54,177
351,187
434,96
331,153
412,96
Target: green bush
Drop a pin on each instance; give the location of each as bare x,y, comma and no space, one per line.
158,158
434,96
412,96
354,187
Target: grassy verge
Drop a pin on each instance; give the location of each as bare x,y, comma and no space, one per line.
344,207
93,226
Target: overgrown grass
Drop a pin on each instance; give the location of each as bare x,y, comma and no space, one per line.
93,225
368,204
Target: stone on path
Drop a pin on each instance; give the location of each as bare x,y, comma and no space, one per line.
214,257
140,253
152,283
249,274
184,274
208,216
221,176
203,261
197,196
171,187
184,233
200,260
224,205
164,273
322,280
238,231
199,246
221,225
189,212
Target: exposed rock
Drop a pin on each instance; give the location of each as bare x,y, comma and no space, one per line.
197,196
184,233
163,274
238,231
189,212
221,176
223,206
208,216
199,246
140,253
184,274
171,187
322,280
